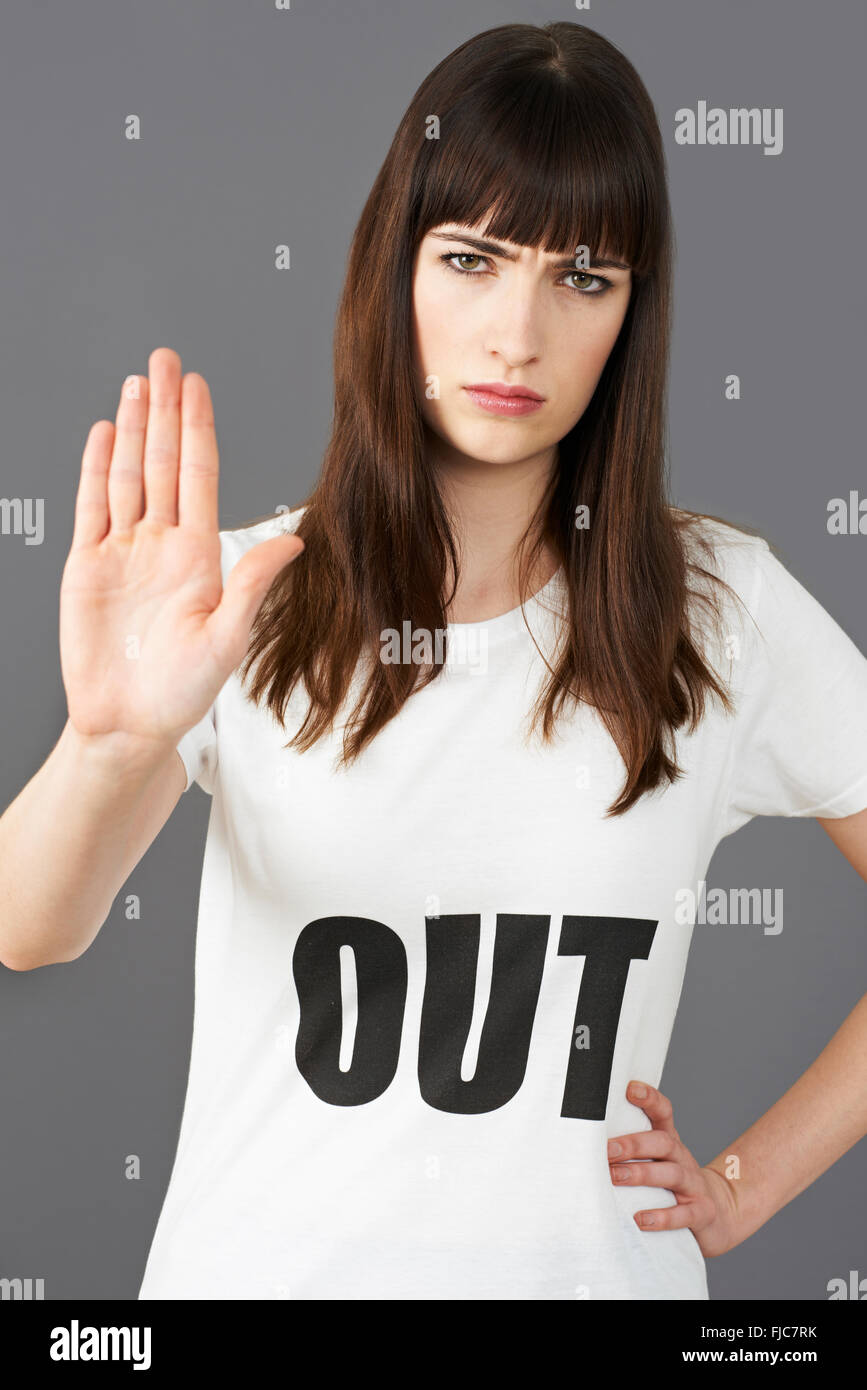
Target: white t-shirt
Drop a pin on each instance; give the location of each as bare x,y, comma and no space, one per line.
423,983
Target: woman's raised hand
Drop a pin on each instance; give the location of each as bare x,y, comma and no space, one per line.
148,635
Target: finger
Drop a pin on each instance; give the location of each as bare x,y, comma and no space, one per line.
656,1173
647,1143
91,502
198,485
669,1218
125,485
248,582
162,442
656,1106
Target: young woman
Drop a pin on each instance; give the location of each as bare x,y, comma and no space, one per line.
470,747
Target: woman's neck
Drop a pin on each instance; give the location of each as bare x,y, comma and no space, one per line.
490,506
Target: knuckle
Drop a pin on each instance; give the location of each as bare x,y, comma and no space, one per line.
163,398
157,453
198,468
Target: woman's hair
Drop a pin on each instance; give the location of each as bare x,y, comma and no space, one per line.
549,133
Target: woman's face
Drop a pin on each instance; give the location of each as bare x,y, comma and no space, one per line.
495,312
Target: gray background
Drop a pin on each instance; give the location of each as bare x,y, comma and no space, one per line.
261,127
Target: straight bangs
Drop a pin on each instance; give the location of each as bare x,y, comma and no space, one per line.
550,165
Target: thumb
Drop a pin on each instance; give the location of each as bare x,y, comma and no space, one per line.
245,588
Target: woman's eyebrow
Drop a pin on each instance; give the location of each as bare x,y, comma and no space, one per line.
496,248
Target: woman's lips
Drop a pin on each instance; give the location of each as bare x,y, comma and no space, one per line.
502,405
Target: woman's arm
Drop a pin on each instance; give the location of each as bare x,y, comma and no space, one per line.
818,1119
849,834
802,1135
822,1115
72,837
148,637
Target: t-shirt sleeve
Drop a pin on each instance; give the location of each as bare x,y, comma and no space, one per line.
198,752
800,735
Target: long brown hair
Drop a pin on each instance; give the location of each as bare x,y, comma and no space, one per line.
550,134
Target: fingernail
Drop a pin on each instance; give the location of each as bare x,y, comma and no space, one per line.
620,1174
646,1218
614,1148
639,1091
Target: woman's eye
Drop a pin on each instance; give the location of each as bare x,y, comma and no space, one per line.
461,256
449,258
586,274
603,282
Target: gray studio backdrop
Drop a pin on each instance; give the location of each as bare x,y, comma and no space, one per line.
263,126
